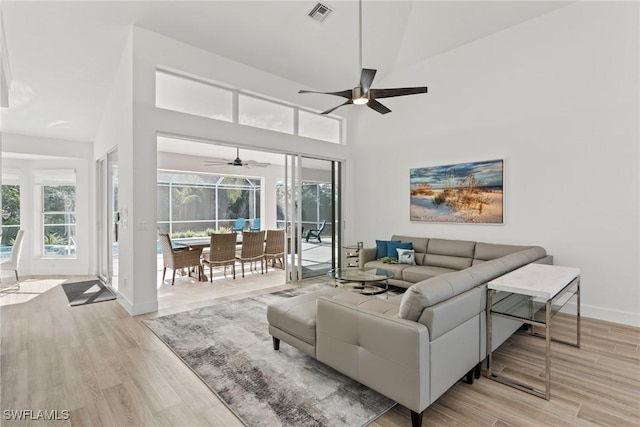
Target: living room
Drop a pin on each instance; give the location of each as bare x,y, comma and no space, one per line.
555,97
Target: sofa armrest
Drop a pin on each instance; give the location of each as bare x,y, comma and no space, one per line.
386,354
365,255
447,315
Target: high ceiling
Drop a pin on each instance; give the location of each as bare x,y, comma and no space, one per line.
64,55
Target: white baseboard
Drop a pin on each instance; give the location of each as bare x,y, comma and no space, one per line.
608,315
136,309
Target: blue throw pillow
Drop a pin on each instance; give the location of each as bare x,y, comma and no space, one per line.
381,248
393,246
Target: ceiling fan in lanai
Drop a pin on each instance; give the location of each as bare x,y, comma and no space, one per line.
363,93
237,162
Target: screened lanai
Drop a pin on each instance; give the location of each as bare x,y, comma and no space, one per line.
196,204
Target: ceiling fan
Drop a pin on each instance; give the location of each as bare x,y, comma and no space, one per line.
236,162
363,94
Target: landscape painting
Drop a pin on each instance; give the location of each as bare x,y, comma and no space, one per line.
460,193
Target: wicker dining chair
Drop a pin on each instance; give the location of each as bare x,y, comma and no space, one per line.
252,249
222,253
178,258
274,248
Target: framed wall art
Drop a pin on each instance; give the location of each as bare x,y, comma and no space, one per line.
460,193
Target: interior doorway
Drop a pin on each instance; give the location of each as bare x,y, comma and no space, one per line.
315,184
108,218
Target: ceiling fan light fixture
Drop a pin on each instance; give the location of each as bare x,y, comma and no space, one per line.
359,96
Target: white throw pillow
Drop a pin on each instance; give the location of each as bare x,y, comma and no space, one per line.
406,256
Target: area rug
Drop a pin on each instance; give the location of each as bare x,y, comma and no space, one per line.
89,292
229,347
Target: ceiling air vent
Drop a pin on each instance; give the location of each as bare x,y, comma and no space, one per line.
320,12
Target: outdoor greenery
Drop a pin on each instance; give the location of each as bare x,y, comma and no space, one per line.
54,239
10,213
316,205
192,204
59,205
205,233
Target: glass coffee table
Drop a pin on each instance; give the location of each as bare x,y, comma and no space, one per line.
372,281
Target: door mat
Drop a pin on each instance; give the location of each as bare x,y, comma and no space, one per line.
80,293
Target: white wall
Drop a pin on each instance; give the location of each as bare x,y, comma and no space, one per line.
48,153
555,97
116,131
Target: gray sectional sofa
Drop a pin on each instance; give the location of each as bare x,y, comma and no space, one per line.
435,257
411,347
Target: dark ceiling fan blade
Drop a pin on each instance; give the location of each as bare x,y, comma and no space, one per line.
388,93
375,105
349,101
366,78
343,93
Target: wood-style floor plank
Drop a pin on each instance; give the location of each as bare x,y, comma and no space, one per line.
108,369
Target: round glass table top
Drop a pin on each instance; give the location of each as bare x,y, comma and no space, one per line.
357,275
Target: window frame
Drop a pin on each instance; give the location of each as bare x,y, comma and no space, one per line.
235,116
70,253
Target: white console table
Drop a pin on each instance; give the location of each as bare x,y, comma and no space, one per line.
532,294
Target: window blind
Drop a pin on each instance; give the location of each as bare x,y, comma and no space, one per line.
10,177
54,177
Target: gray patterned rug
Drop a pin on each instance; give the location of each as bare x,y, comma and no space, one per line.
229,347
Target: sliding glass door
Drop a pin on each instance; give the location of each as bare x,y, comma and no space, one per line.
310,202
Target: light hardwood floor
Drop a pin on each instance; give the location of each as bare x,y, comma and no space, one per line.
108,369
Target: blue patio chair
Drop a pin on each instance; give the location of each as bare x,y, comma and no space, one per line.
239,225
316,233
255,225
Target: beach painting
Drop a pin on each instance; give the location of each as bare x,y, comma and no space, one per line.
460,193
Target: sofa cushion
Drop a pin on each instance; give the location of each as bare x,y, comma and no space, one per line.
388,307
419,243
392,248
381,248
416,274
454,254
488,251
297,316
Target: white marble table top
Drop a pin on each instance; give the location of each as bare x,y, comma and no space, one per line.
537,280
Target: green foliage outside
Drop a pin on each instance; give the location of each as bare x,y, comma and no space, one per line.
54,239
10,213
205,233
203,198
